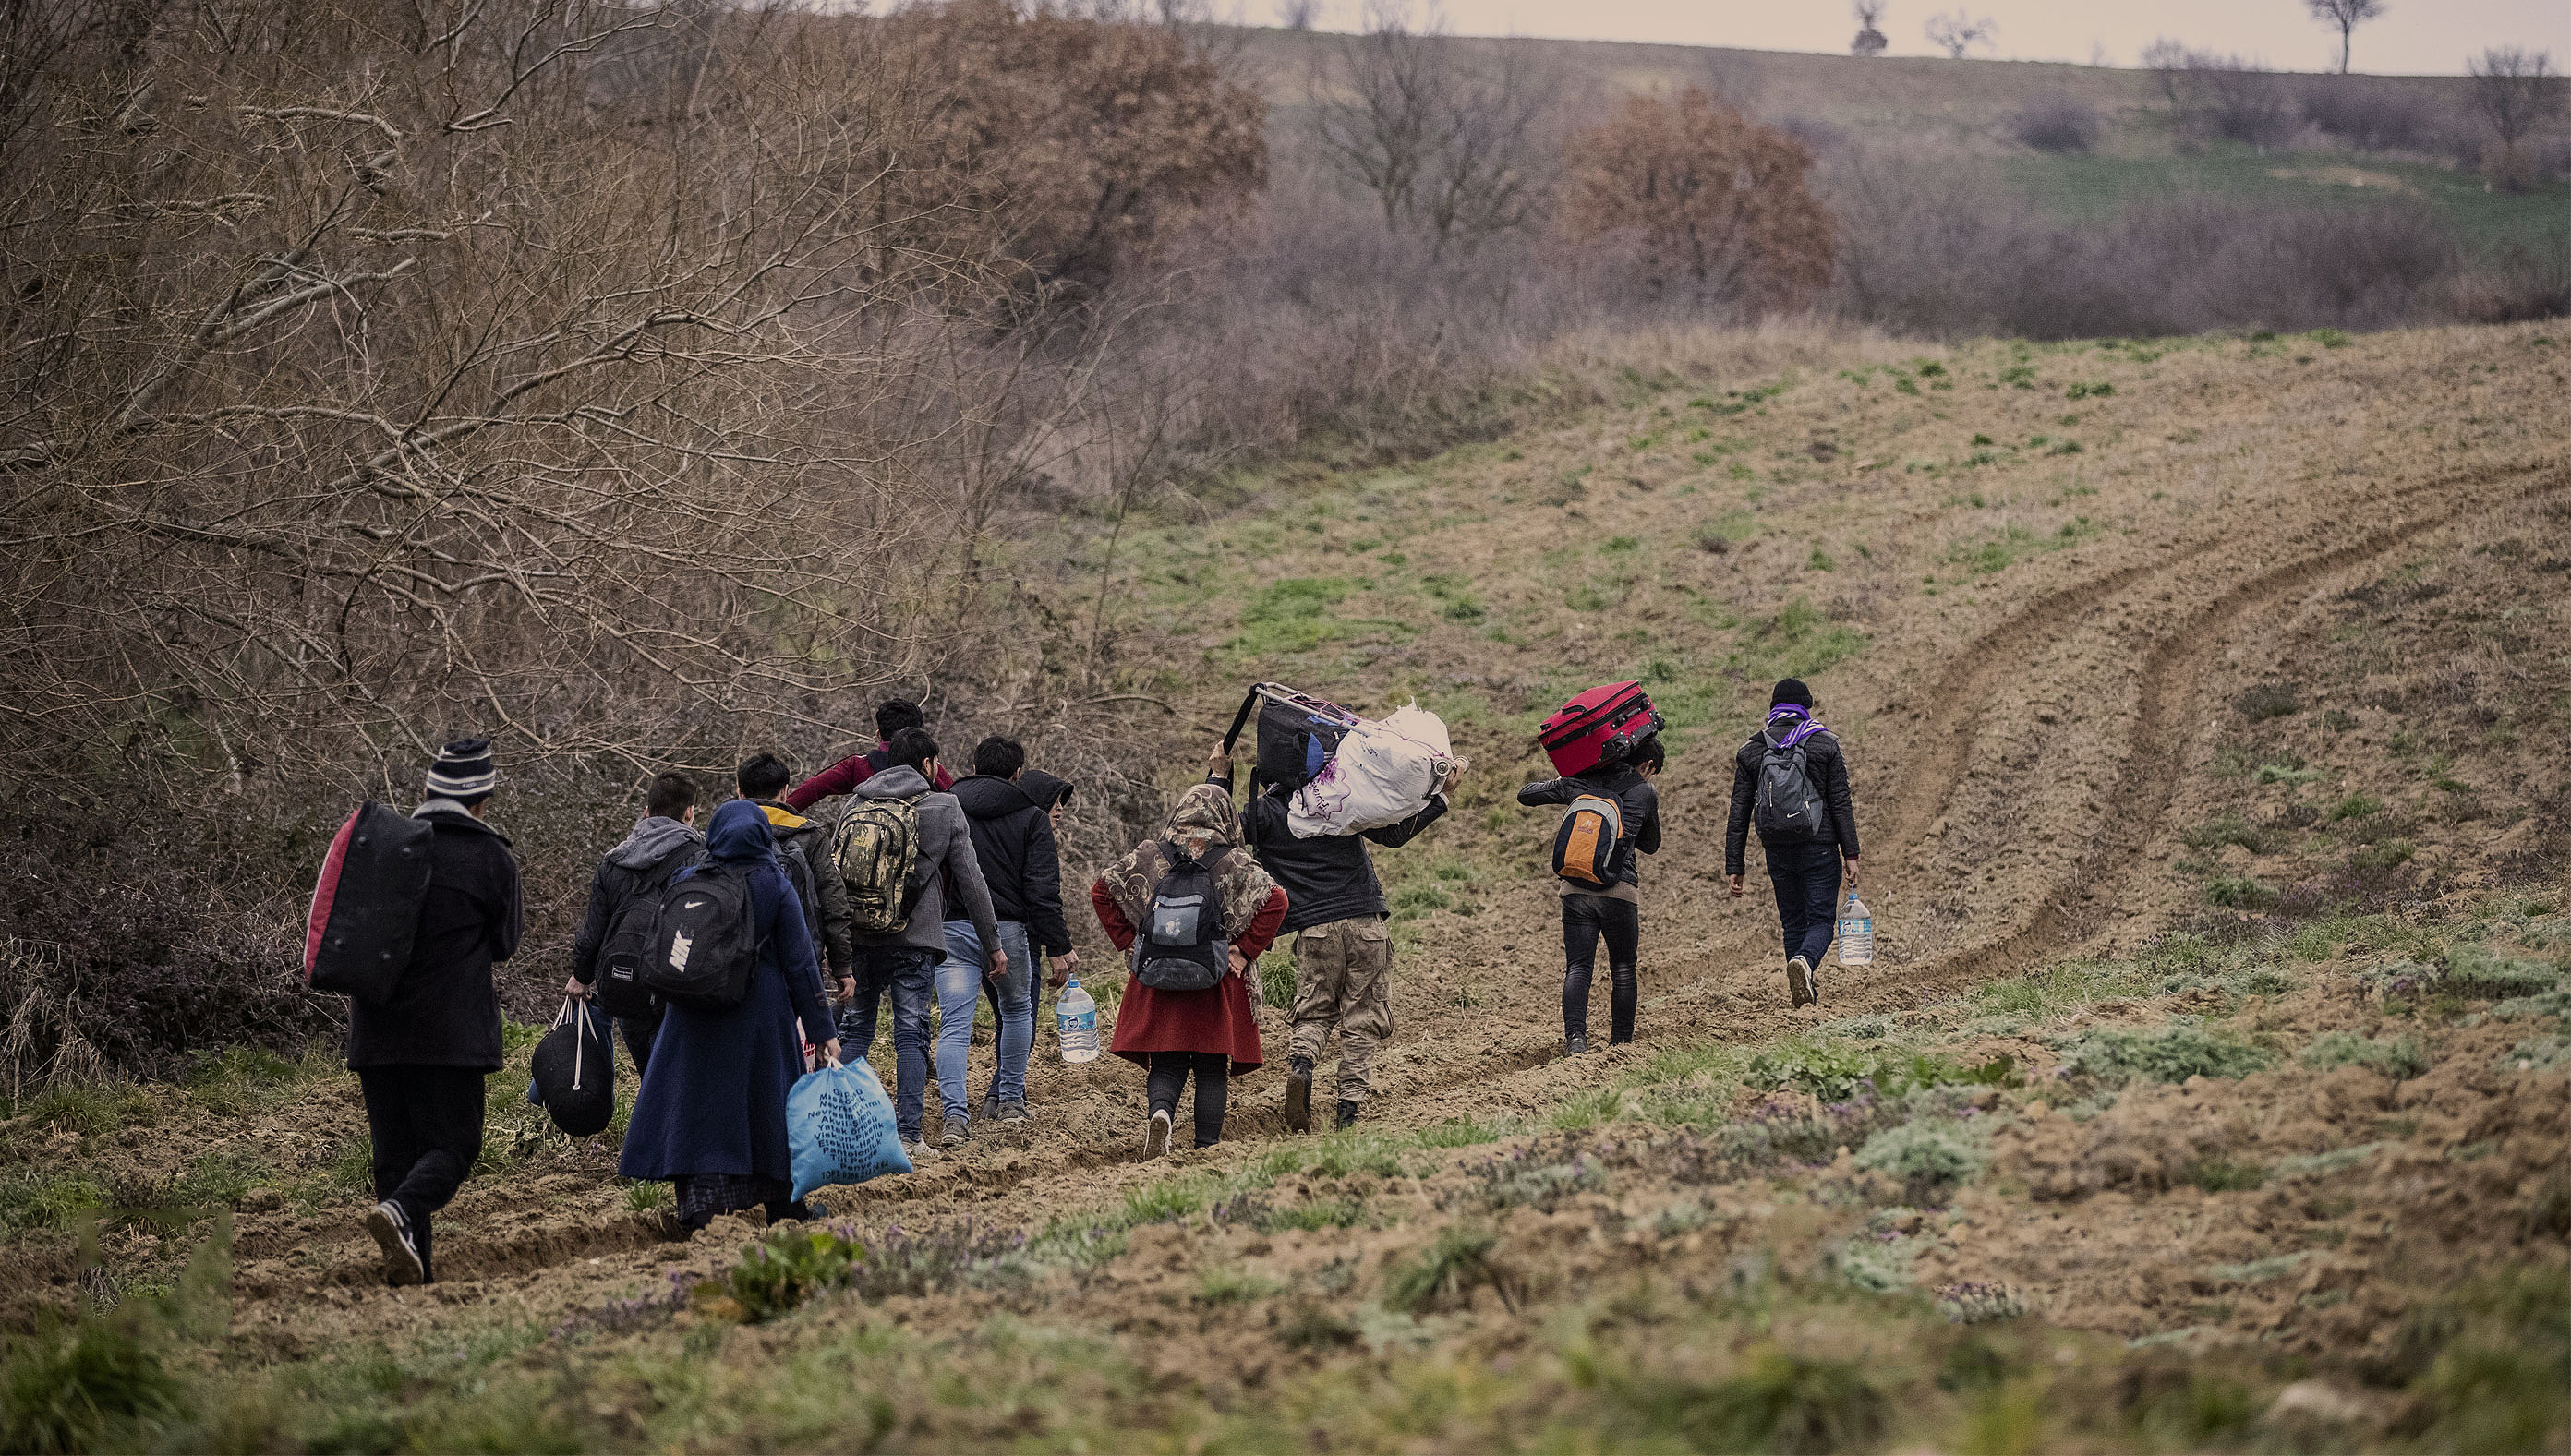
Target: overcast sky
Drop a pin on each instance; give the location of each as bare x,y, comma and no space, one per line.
2413,36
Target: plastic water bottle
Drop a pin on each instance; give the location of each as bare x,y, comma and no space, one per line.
1856,933
1075,1022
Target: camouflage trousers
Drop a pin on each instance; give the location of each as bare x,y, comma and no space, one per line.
1344,979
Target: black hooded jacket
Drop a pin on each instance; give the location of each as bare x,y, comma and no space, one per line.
1012,828
1823,763
445,1011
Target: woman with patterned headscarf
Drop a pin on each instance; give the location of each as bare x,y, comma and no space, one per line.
1213,1033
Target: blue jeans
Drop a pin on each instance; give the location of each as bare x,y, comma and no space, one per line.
1806,876
960,987
908,972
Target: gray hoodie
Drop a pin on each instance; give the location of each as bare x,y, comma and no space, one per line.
946,864
639,864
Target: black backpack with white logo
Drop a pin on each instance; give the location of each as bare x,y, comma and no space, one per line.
1181,946
1789,806
705,940
621,991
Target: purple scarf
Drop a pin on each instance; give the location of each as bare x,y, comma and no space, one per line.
1805,724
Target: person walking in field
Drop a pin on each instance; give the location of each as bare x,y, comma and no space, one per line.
1610,910
904,848
420,1054
1193,910
622,894
892,717
1343,949
711,1114
1790,781
1010,811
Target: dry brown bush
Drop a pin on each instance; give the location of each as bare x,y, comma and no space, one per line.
1712,197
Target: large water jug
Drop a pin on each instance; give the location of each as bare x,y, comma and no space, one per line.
1075,1021
1856,933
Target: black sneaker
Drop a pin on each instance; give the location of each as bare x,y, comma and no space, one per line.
1347,1115
391,1228
1575,1044
1299,1096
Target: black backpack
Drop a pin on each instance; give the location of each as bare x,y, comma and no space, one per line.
1788,807
705,940
1181,946
366,902
620,988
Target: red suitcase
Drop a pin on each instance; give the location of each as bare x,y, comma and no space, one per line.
1600,725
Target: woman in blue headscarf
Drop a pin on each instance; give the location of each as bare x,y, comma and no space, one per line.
711,1115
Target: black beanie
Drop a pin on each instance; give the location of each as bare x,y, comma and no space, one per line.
1790,690
463,771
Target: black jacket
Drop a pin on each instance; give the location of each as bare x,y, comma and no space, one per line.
1826,767
1012,831
640,865
1633,794
444,1011
1329,876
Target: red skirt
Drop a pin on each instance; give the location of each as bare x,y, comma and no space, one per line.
1219,1018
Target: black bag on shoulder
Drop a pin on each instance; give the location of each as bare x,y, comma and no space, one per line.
619,989
705,940
1182,948
366,907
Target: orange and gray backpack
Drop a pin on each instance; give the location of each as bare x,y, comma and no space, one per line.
1584,849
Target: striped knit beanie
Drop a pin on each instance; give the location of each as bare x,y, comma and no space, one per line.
463,771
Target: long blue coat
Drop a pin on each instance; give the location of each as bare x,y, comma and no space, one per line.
714,1098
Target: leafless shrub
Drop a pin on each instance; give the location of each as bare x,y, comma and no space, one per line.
2370,115
1959,34
2524,280
1447,137
2228,97
2514,91
2057,122
1298,14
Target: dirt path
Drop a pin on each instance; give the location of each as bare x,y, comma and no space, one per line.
2130,639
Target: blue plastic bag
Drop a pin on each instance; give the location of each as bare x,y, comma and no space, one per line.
839,1122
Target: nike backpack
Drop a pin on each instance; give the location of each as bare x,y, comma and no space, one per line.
620,988
1787,805
364,916
1584,849
878,853
1181,947
705,940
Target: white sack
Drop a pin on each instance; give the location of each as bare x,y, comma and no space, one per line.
1382,773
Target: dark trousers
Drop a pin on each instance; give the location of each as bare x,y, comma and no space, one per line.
1585,919
1806,877
908,974
426,1123
1213,1088
639,1033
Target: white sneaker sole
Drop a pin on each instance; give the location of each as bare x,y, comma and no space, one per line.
1798,982
401,1261
1157,1129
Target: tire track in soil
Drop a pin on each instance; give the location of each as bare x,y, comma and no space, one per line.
1950,721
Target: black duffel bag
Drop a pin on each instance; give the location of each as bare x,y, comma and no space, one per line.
574,1073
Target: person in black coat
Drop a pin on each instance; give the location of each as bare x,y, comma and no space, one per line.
1009,812
628,883
420,1054
1803,867
711,1114
1615,913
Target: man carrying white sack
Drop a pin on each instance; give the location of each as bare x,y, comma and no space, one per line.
1336,911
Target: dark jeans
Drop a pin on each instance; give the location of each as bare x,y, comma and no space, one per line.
909,974
1584,919
639,1033
1806,876
1213,1088
426,1123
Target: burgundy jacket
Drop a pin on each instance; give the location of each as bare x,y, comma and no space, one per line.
846,775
